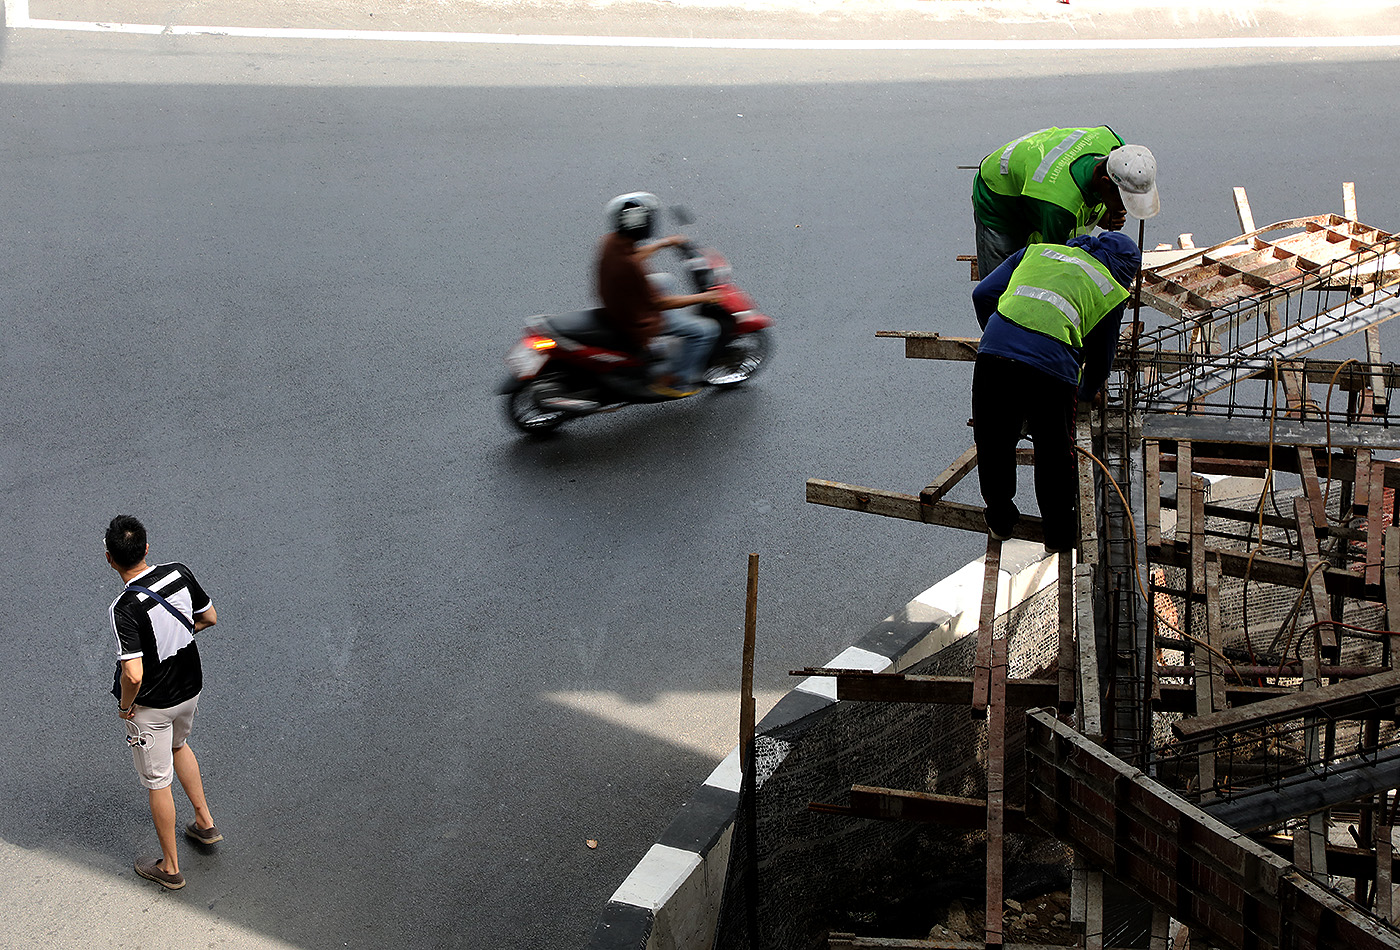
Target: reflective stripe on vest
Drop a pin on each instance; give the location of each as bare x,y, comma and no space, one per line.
1055,300
1061,292
1053,156
1038,166
1011,147
1105,283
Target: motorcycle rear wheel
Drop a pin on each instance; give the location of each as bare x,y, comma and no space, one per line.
524,411
740,359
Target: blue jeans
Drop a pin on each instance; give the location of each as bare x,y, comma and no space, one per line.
695,336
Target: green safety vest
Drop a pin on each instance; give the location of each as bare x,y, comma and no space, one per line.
1062,292
1037,166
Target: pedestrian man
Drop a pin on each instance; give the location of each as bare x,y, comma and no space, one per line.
1050,317
1048,186
157,684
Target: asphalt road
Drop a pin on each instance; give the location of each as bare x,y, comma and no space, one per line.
257,292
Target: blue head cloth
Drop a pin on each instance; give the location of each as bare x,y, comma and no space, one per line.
1114,250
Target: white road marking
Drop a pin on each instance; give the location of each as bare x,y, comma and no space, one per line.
17,16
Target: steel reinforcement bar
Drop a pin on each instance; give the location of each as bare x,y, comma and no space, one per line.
1175,856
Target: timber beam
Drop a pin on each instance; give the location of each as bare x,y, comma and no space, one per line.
864,686
1375,695
951,811
923,345
1271,570
845,941
892,504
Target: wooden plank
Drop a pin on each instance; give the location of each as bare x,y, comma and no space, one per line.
891,504
1289,432
1197,574
1152,493
1250,457
1210,680
1366,694
1391,582
950,477
1377,381
864,686
1088,509
1181,697
923,345
1093,911
986,624
1065,665
1242,209
845,941
1312,489
1384,863
1272,570
1349,201
1161,930
746,698
949,811
996,793
1090,691
1375,523
1326,636
1183,495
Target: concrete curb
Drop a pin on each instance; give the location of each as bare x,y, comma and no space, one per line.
671,900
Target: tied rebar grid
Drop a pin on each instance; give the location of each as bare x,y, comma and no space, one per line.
1125,623
1224,360
1276,769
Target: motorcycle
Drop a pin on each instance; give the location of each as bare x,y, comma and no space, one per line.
571,365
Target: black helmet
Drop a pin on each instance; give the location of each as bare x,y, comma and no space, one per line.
634,215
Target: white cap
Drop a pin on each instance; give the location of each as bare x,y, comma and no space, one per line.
1133,169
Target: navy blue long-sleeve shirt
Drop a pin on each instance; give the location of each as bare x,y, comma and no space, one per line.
1001,337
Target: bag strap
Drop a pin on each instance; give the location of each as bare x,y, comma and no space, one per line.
189,624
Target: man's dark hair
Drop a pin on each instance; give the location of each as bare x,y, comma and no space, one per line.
126,541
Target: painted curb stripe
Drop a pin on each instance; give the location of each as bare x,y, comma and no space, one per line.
657,877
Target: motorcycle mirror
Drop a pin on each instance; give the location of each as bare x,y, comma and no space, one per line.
682,215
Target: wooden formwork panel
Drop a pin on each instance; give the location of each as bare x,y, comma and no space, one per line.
1176,856
1268,261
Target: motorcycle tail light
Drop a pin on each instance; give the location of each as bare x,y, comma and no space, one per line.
540,343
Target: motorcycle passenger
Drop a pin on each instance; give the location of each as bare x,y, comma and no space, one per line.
642,306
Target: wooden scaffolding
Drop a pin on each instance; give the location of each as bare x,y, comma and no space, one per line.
1208,771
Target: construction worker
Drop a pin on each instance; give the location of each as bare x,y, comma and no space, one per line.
1050,317
1048,186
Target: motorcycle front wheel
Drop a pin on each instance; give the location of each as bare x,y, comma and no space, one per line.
740,359
524,411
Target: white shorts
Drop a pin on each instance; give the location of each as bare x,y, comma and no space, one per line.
161,732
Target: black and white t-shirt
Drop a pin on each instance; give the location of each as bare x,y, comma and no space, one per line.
146,628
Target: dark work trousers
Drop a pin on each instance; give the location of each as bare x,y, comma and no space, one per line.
1007,395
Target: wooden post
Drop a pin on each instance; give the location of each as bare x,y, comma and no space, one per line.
746,700
746,753
1384,855
982,665
1066,661
1242,208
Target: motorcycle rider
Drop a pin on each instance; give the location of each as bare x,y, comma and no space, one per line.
643,306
